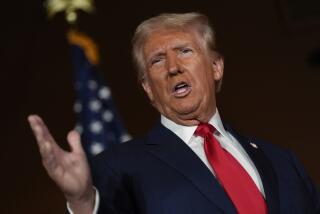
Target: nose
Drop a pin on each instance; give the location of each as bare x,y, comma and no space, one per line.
173,67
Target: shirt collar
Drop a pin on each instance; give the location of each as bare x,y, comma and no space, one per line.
186,132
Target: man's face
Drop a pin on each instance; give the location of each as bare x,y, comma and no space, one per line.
180,76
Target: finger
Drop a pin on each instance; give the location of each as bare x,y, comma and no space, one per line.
39,128
75,142
51,158
47,146
47,155
36,128
43,144
45,131
50,154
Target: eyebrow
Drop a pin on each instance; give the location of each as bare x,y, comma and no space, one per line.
160,52
154,55
180,46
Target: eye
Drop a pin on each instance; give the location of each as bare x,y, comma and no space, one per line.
186,51
156,60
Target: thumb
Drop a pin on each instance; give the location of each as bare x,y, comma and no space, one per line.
75,142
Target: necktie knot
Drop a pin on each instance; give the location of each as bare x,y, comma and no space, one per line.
204,129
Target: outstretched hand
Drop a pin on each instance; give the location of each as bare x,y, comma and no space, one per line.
69,170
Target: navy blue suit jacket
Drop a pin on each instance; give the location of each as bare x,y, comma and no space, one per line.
160,174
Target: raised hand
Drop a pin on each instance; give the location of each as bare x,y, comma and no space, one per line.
69,170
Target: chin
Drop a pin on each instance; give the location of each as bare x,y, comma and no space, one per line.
187,109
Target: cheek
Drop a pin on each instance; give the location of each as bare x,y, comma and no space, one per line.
202,73
205,81
158,88
157,78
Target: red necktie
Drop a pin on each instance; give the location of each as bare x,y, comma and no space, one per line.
237,183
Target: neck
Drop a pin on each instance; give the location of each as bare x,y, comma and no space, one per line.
193,120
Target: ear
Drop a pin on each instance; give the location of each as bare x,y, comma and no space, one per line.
218,67
146,87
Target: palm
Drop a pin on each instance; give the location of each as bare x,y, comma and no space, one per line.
70,170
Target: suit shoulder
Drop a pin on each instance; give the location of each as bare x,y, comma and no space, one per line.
250,141
267,145
130,147
271,149
121,157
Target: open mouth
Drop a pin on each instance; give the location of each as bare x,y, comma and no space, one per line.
181,89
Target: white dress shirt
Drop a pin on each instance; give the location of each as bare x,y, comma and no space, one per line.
227,141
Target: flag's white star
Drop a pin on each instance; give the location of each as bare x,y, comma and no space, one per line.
77,107
78,128
96,148
104,93
96,127
107,116
95,105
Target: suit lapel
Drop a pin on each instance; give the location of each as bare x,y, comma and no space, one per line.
175,153
265,169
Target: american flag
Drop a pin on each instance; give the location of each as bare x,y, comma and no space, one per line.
98,121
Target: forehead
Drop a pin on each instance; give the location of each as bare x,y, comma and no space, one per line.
163,39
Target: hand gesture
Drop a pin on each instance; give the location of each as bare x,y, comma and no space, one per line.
69,170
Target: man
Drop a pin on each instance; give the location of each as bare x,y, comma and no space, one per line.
190,162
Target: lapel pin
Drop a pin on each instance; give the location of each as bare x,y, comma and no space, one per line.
254,145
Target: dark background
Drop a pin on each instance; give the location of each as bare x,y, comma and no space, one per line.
270,90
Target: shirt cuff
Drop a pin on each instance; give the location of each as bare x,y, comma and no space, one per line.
96,203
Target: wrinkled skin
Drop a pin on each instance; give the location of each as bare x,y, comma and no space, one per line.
174,57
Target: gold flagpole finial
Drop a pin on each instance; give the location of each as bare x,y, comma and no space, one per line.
69,7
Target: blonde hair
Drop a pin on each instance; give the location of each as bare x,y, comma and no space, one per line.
184,21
